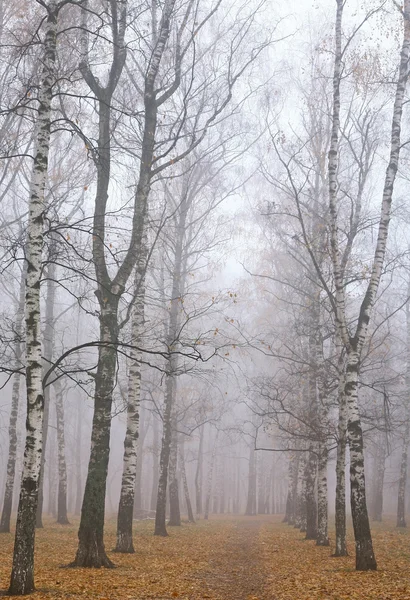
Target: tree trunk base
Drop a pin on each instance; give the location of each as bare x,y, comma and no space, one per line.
398,524
365,559
63,521
124,550
124,544
324,542
161,533
21,588
91,556
340,554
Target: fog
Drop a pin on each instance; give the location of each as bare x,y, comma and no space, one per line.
205,279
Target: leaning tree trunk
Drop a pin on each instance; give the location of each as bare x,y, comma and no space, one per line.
15,397
126,506
62,517
22,575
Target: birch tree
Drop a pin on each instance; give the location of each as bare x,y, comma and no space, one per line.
15,400
365,559
22,576
126,506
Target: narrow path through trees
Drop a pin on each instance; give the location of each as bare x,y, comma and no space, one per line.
236,570
226,558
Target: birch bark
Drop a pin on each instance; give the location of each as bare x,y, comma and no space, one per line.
340,500
15,400
48,350
22,575
322,500
365,559
126,506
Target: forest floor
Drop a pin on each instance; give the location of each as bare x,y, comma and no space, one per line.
243,558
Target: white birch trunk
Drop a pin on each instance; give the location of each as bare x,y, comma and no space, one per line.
22,575
365,559
322,508
126,506
15,400
48,350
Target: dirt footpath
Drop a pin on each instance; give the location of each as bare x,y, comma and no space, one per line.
236,571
